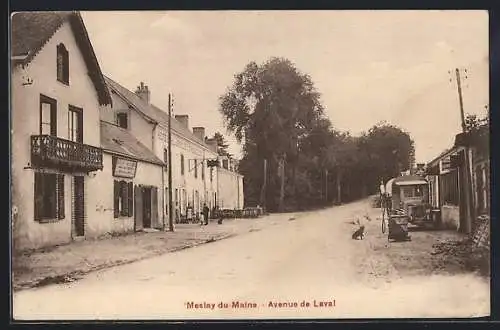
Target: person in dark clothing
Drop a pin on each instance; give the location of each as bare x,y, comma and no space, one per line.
205,213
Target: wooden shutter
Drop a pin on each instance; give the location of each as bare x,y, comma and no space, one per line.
53,119
60,196
38,196
130,189
80,126
116,197
124,195
66,65
139,225
154,208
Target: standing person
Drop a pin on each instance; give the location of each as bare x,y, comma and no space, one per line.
205,213
383,196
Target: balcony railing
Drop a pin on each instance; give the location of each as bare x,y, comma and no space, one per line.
53,152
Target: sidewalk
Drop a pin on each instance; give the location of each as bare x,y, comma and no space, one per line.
66,263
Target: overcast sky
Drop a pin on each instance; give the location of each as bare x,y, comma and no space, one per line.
369,66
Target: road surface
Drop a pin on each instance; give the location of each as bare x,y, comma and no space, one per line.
304,268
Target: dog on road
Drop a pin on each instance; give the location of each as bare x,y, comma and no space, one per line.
359,233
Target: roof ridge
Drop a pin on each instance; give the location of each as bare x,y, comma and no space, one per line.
186,134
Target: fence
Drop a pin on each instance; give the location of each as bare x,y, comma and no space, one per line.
248,212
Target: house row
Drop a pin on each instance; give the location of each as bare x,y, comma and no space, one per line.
460,193
89,156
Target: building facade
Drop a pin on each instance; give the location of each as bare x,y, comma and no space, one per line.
194,183
57,91
126,193
462,193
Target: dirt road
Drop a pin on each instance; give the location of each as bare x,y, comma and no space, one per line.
303,268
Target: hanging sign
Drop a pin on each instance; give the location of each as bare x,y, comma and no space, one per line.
124,168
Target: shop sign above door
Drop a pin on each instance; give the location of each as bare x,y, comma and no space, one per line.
124,168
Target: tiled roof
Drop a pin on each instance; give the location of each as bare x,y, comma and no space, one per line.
30,31
119,140
151,111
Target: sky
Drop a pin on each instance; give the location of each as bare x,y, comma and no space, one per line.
369,66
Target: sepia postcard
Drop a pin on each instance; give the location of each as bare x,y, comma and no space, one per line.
223,165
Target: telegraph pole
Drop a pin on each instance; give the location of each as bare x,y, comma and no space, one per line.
170,215
468,194
460,100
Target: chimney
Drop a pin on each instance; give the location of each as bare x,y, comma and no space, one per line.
199,132
212,144
183,119
143,92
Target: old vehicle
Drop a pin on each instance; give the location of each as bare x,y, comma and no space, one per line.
408,197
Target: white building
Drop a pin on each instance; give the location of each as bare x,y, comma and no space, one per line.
57,90
193,182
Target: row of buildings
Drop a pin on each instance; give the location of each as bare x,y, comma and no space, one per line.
462,194
89,156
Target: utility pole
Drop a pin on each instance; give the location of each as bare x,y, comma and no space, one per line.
468,194
460,100
170,215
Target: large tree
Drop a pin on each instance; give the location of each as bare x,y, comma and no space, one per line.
389,151
272,108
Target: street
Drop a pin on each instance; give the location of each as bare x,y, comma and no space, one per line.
308,267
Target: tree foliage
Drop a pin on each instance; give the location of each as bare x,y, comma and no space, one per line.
222,145
274,110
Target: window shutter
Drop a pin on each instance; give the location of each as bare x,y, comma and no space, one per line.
130,199
80,126
116,199
60,196
124,194
53,119
66,66
38,196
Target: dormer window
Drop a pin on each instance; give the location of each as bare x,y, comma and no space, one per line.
62,64
122,120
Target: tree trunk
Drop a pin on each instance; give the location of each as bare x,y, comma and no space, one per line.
339,188
263,195
282,189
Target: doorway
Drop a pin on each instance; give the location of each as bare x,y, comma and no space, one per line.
146,215
78,206
146,207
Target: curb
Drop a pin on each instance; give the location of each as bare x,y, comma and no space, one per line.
76,275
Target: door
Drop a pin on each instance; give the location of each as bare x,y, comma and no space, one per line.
146,207
154,208
78,206
138,221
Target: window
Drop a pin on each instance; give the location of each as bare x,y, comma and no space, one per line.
195,168
122,119
62,64
75,124
49,196
165,156
48,116
225,164
203,170
413,191
448,187
182,164
123,199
